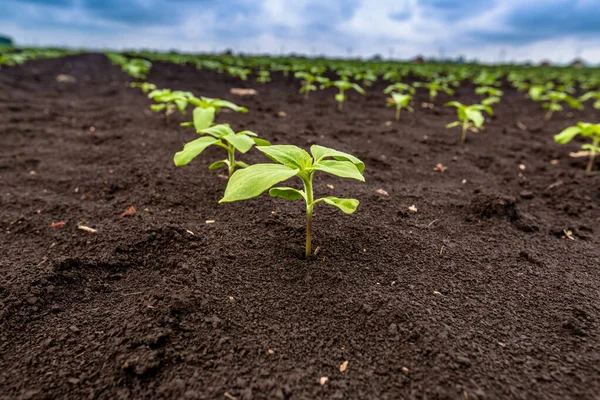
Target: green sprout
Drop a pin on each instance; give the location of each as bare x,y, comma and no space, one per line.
144,86
492,94
168,101
241,73
592,95
263,77
308,82
368,77
468,116
434,89
400,101
399,87
137,68
584,129
552,101
293,161
220,135
343,86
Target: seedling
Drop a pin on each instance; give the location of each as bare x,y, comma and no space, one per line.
492,94
263,77
368,77
343,86
144,86
468,117
592,95
137,68
169,101
293,161
552,101
241,73
218,135
584,129
434,89
399,87
401,101
308,82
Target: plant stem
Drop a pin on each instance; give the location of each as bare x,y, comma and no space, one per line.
465,126
398,113
340,105
306,95
231,159
309,210
548,115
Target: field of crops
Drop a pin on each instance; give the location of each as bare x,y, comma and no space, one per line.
222,227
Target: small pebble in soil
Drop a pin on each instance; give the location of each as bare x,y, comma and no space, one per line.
526,194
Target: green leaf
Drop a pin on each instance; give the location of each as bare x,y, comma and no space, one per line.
157,107
454,104
181,105
340,97
242,143
261,142
252,181
248,133
227,104
358,88
321,152
192,149
218,131
567,135
348,206
590,147
344,169
453,124
288,155
218,164
241,164
203,117
287,193
475,116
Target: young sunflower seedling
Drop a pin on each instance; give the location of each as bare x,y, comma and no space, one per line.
399,87
145,87
492,94
400,101
468,117
220,135
592,95
552,100
137,68
293,161
238,72
168,101
434,89
263,77
591,131
308,82
343,86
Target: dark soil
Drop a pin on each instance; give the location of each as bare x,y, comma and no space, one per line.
478,295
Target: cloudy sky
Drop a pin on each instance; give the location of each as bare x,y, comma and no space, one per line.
491,30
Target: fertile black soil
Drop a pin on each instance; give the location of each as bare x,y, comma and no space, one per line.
480,294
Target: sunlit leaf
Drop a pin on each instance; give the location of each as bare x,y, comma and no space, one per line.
252,181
